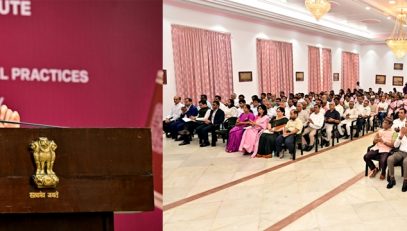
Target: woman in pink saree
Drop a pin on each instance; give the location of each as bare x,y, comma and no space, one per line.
251,136
236,133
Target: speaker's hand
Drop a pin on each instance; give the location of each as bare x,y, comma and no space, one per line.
9,115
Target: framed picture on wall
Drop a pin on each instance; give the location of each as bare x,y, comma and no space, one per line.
299,76
398,66
165,76
245,76
336,76
397,80
380,79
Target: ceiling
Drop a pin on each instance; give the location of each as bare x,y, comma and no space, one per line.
365,21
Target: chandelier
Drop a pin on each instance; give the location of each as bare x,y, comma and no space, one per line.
398,38
318,7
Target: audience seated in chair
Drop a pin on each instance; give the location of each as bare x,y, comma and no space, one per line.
350,114
173,116
230,109
362,106
400,121
267,141
398,156
215,119
303,114
384,142
236,133
315,122
196,121
292,128
250,139
187,113
382,109
332,118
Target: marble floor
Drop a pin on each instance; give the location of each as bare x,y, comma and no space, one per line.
198,193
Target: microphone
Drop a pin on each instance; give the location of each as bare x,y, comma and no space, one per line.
30,124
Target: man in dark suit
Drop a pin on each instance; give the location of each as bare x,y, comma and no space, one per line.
188,111
216,118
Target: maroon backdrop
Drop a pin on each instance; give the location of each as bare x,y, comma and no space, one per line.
119,43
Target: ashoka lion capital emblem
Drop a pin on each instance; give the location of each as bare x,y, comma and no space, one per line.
44,157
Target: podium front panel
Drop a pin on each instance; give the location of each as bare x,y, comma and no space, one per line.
99,170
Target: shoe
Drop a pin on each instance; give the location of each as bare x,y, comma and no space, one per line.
204,144
327,143
268,156
282,155
178,139
309,148
183,143
391,183
382,177
213,144
404,188
356,135
373,172
346,137
167,135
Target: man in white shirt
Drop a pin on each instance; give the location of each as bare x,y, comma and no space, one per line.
382,109
290,105
401,121
364,113
338,107
271,111
397,157
254,105
173,116
315,122
222,106
350,115
235,99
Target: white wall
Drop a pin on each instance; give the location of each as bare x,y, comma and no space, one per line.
378,59
244,36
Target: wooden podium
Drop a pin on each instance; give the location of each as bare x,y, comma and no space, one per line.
100,170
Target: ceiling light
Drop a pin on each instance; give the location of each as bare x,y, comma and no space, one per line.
392,2
318,7
388,17
398,38
367,8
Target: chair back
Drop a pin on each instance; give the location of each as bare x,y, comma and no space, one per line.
229,123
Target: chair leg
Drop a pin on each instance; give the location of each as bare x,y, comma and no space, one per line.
366,170
351,133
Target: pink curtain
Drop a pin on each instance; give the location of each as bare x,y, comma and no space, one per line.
326,69
314,70
202,62
275,66
350,70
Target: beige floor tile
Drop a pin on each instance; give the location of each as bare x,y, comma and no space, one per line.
237,223
262,201
195,212
371,211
